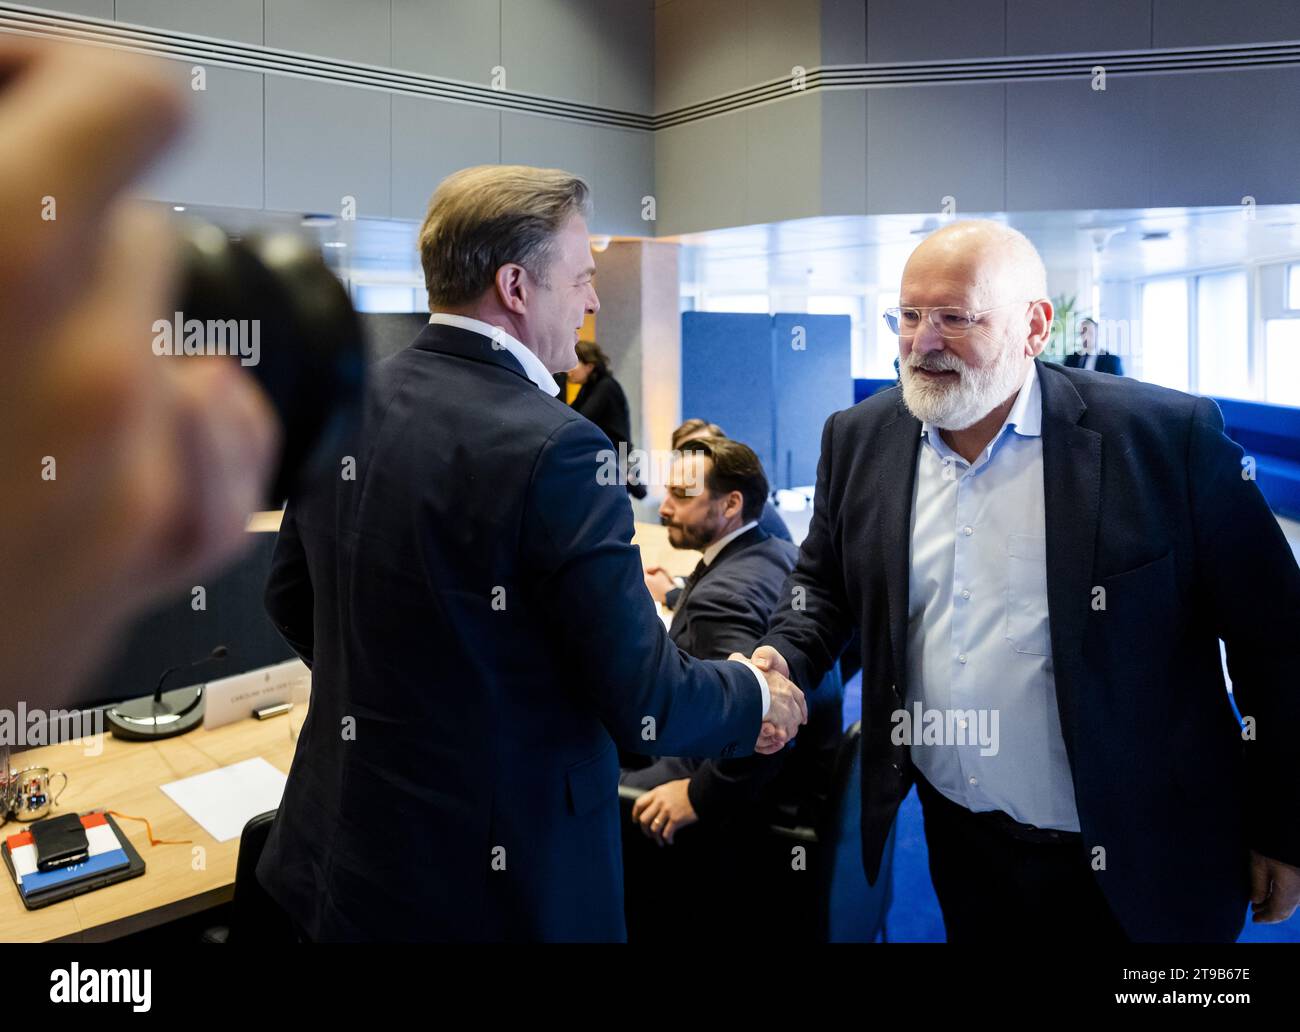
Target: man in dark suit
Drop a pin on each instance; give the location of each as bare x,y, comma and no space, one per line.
715,495
1041,562
1088,356
473,611
667,589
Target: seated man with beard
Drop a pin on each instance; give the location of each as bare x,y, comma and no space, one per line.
716,493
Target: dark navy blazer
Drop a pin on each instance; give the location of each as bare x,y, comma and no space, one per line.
480,638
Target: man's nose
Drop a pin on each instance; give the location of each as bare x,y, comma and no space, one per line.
594,306
927,338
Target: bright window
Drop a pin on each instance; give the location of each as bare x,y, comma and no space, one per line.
752,303
1164,333
1222,337
1282,361
1293,286
881,343
384,297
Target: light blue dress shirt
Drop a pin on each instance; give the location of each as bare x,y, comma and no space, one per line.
979,656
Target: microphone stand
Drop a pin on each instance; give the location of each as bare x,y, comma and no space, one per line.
162,715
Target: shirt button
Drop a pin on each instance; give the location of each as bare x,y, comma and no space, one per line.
965,594
961,658
968,531
974,781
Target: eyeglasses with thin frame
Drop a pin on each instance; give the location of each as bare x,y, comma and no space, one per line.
949,321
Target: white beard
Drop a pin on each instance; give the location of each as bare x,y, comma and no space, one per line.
956,406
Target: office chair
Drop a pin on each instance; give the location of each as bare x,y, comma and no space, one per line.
255,916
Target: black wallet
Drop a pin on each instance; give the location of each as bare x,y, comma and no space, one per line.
59,841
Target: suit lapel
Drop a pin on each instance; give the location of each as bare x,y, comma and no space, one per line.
1072,498
899,441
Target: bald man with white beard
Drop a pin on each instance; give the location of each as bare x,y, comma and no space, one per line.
1041,562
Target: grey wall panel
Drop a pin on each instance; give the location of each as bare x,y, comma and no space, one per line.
844,32
1216,138
930,30
1071,147
219,158
624,175
625,57
431,139
91,8
700,175
549,143
238,20
844,152
780,34
783,160
700,51
1077,26
617,164
928,142
324,142
352,30
457,39
551,47
1204,22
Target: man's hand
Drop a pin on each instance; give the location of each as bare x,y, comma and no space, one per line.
787,708
1274,889
664,810
659,582
126,474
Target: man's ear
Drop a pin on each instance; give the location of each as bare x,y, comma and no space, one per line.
512,287
735,505
1040,326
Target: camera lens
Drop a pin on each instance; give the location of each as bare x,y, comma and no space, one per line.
271,303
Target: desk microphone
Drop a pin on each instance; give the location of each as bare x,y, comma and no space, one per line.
152,717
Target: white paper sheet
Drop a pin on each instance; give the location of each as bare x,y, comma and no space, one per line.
225,799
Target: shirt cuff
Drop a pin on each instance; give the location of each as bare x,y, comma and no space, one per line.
762,684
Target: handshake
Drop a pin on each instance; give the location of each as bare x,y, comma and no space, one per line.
787,708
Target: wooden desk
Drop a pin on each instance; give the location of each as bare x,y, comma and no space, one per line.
126,777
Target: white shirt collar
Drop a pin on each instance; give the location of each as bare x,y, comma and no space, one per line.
533,367
712,551
1026,415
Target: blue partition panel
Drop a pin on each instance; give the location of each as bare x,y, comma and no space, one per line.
814,378
727,376
1270,434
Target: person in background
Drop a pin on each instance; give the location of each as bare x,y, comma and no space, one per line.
1089,357
716,489
590,388
664,586
715,494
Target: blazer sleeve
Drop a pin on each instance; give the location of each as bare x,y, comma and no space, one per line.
812,620
289,598
1248,577
721,623
578,550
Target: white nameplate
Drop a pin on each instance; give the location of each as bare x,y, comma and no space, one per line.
235,698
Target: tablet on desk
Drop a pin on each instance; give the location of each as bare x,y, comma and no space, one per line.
103,867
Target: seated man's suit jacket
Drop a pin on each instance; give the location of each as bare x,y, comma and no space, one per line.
724,610
1147,499
480,638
